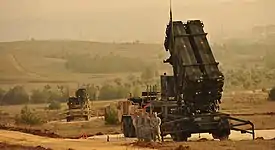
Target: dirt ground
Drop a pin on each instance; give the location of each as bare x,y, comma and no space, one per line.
18,138
250,106
211,145
5,146
119,143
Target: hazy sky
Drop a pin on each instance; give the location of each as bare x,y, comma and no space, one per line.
126,20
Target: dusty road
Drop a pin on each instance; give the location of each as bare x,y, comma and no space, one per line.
117,142
13,137
235,136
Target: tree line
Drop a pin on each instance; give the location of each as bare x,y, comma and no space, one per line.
242,78
116,89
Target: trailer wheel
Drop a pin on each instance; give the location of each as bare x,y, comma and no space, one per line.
69,119
222,135
223,131
87,118
224,138
179,137
126,127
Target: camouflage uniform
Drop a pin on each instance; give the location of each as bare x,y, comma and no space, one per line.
139,128
155,124
147,133
136,123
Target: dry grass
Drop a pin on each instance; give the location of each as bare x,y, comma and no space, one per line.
36,63
15,109
237,104
250,103
57,122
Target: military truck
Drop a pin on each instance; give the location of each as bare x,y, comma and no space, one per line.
136,105
79,106
191,96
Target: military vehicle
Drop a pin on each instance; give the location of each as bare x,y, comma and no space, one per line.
133,105
79,106
190,98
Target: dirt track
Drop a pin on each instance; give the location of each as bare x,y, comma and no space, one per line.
14,137
119,143
5,146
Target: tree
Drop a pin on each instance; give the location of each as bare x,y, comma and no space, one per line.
47,87
2,94
92,91
122,91
136,91
63,93
16,95
56,96
271,95
118,81
109,91
38,96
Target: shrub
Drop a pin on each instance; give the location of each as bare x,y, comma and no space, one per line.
54,105
111,116
28,117
16,95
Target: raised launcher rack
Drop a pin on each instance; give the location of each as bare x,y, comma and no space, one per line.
190,98
195,68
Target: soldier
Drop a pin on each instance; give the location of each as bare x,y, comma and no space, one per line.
155,124
147,132
139,127
135,119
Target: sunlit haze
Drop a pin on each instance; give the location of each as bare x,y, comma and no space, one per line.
126,20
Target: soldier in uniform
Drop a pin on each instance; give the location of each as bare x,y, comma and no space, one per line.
155,124
136,119
147,132
139,127
142,126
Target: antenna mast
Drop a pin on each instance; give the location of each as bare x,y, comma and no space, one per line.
171,24
171,11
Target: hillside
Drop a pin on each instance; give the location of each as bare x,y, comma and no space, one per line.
76,62
45,61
